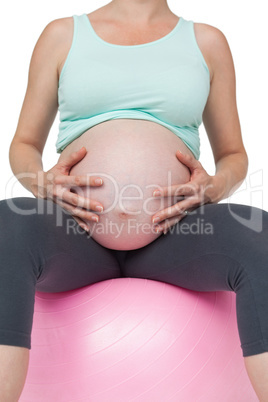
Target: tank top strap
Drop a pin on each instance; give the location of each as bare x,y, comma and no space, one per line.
80,43
187,35
81,27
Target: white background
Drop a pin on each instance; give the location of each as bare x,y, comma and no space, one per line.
245,26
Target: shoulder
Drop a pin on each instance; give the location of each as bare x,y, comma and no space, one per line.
58,30
55,41
213,45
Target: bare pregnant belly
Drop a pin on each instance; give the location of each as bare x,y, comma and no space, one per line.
133,157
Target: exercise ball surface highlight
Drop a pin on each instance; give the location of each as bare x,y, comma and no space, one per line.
130,339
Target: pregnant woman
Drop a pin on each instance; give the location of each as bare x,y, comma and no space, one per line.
132,82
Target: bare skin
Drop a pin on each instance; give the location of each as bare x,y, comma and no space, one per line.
13,371
257,369
140,21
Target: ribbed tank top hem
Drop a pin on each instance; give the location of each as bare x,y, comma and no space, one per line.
181,132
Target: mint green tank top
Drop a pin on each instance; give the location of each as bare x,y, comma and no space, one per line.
166,81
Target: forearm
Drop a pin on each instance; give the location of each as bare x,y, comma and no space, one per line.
26,164
231,170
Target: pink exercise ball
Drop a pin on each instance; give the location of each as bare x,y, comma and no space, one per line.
131,339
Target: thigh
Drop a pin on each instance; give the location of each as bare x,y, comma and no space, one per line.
213,248
47,241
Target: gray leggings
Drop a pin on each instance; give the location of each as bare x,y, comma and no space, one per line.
216,247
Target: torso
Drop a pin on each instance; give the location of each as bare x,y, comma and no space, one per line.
134,156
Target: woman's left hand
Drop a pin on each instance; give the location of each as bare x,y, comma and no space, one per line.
201,189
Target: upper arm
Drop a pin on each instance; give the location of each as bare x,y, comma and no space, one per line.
40,103
220,116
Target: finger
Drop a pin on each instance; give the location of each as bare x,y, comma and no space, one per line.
175,210
188,160
84,180
81,223
73,158
166,213
186,189
189,205
167,225
79,201
80,213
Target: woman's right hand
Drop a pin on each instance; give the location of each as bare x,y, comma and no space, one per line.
56,184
